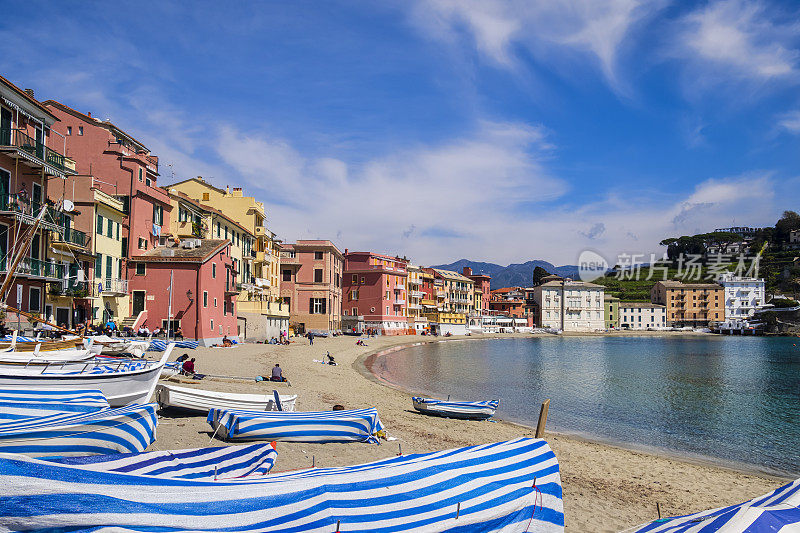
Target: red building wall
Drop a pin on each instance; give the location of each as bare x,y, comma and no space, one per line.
365,287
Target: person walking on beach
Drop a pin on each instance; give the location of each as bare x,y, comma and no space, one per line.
310,338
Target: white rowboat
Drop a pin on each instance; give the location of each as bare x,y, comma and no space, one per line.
121,382
204,400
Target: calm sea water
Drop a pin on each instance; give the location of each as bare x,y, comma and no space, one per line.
734,399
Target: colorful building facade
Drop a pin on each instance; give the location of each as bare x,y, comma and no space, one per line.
374,286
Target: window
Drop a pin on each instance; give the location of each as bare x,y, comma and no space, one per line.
287,275
110,229
34,300
214,270
215,302
141,269
212,323
317,306
317,275
80,130
355,278
354,294
226,232
206,197
205,299
148,182
69,130
99,224
98,266
355,311
141,175
362,279
317,256
158,214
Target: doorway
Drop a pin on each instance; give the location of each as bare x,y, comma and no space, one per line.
62,316
138,302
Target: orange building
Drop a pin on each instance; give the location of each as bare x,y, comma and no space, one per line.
690,304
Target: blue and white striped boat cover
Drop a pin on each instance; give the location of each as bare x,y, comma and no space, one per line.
777,511
160,346
360,425
484,409
227,462
123,430
20,338
487,488
17,404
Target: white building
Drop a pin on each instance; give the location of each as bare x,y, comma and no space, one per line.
642,315
568,305
742,297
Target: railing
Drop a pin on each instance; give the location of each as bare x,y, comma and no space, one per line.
35,267
115,285
21,140
76,289
71,236
17,203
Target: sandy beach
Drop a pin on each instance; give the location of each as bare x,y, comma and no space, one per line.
606,488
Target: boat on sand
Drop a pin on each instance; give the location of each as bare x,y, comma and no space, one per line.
168,395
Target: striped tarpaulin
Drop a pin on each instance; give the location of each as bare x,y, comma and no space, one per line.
123,430
17,404
225,462
360,425
777,511
484,409
508,486
160,346
9,338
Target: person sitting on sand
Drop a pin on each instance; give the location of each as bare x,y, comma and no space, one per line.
277,373
188,367
330,359
226,342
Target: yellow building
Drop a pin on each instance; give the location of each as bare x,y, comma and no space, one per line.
110,295
262,313
459,292
415,298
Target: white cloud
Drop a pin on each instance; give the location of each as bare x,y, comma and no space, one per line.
542,28
790,121
737,39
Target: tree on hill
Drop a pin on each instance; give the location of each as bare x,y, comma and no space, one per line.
783,227
538,274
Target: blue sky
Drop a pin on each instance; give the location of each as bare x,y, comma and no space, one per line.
496,131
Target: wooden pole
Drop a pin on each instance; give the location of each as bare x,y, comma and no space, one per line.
37,319
658,510
542,418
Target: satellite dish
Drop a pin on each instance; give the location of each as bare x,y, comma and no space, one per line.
69,206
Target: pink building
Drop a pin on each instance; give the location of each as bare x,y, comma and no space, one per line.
116,163
311,285
375,288
482,283
203,289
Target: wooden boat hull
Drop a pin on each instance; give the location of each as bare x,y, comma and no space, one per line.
205,400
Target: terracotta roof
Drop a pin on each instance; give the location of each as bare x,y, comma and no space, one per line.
208,248
97,122
28,97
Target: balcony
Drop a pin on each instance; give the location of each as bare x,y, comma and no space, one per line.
75,289
70,238
36,268
417,294
18,143
263,282
113,287
27,210
399,302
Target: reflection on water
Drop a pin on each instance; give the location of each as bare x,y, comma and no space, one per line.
731,398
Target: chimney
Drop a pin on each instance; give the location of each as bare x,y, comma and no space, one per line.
467,271
29,92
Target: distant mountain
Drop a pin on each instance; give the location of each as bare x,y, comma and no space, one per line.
514,275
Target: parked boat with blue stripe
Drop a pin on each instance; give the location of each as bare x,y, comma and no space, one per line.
359,425
466,410
507,487
122,382
226,462
123,430
17,404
